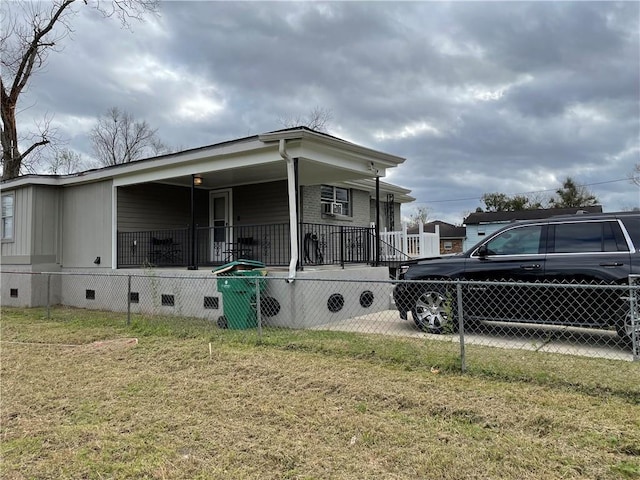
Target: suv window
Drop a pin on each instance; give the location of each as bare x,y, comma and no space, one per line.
587,237
632,224
516,241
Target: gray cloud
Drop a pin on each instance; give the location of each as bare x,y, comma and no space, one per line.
478,96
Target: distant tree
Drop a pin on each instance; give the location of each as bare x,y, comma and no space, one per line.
635,175
420,215
317,119
500,202
495,202
30,31
572,195
118,138
65,162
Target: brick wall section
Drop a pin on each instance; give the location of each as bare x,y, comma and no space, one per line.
456,246
312,210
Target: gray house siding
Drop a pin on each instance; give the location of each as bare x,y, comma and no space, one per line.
86,224
384,220
18,250
159,207
35,245
155,206
261,203
36,236
46,235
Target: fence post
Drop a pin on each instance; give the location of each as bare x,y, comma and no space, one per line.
128,299
633,314
342,246
258,308
463,360
48,296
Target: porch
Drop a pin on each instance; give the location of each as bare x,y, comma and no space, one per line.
291,199
318,244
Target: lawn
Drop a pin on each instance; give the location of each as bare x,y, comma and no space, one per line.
85,396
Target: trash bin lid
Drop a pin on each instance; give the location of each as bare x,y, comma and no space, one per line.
238,265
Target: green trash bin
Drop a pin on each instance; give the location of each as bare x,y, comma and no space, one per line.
237,284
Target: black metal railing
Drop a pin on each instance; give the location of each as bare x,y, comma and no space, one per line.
336,244
154,248
320,244
390,255
266,243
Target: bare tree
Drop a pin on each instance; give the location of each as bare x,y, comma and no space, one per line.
65,162
119,138
420,215
635,174
318,119
30,32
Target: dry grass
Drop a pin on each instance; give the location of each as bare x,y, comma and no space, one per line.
293,407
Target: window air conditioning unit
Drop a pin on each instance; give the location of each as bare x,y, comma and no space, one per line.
336,208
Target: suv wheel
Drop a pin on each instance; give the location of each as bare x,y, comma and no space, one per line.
432,313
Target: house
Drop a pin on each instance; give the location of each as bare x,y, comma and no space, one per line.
451,236
482,224
293,198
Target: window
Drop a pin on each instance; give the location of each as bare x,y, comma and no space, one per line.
7,216
588,237
516,241
448,245
335,200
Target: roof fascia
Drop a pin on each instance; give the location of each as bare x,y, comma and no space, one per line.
369,185
184,162
385,159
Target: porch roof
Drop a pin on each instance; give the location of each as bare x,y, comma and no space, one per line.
321,158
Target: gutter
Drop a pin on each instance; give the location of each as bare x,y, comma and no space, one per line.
293,209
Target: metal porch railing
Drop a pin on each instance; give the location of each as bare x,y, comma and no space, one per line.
320,244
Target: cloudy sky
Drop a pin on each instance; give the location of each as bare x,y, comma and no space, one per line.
477,96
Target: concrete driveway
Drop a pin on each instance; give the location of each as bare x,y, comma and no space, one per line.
564,340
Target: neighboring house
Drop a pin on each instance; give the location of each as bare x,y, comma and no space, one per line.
451,236
479,225
290,198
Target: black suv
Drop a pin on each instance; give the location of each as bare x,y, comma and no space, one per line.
565,250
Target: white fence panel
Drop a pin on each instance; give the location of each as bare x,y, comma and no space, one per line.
400,245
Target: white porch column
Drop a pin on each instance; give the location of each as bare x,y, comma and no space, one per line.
293,208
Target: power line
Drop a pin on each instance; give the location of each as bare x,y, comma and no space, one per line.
526,193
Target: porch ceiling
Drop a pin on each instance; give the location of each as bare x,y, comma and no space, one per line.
309,173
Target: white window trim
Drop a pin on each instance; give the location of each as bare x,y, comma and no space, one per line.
348,203
12,216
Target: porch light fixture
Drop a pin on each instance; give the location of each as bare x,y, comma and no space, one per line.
197,180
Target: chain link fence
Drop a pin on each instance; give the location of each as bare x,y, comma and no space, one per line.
575,319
